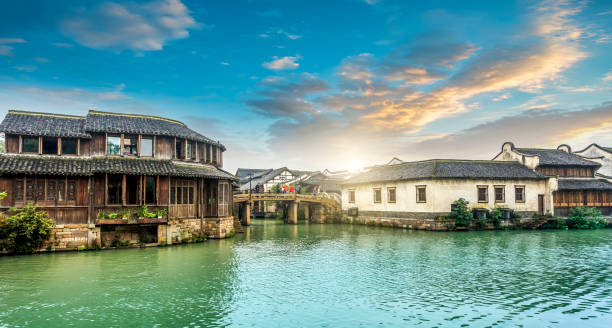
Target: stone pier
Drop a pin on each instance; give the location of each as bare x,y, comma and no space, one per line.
292,215
245,214
318,214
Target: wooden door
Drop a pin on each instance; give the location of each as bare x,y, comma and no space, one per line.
541,204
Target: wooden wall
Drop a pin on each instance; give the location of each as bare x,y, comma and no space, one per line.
563,171
98,144
164,147
12,143
85,149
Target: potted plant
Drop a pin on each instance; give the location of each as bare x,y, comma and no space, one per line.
126,214
142,212
161,213
101,215
112,216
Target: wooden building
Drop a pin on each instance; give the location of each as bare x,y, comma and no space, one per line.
75,167
578,184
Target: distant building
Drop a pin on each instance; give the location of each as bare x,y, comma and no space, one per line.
601,155
578,184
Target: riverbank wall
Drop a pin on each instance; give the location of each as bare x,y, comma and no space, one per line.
109,235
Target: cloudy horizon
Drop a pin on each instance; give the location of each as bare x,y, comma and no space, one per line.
305,85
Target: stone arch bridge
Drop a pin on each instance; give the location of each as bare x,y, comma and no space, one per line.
317,206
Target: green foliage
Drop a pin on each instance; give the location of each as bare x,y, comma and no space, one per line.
27,229
554,223
583,217
112,216
142,211
101,215
126,213
495,216
461,213
3,195
162,212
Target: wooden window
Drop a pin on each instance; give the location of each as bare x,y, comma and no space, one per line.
191,150
483,194
51,190
146,147
69,146
207,146
421,194
61,190
113,145
377,195
179,151
223,199
130,146
71,194
391,195
214,154
519,194
351,196
30,194
172,195
19,190
150,190
114,189
29,145
40,189
500,194
132,189
49,146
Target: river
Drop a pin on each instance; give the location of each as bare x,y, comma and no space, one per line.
313,275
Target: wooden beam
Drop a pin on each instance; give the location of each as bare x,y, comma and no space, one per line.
105,189
59,146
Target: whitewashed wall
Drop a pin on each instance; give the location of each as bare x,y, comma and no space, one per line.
442,193
508,154
606,161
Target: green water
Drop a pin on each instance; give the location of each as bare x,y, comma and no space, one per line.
314,275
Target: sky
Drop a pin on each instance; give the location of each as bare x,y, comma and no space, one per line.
323,84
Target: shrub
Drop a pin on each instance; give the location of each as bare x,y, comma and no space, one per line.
495,216
461,213
583,217
27,229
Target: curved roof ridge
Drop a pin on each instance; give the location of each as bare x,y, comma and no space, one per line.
33,113
97,112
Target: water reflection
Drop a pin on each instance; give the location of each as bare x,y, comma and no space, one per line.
322,275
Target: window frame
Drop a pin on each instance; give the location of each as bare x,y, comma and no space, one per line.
503,194
418,198
62,141
351,192
108,148
54,140
486,188
143,138
124,146
389,189
23,138
374,193
522,187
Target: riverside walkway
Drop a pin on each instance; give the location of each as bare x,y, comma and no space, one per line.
320,204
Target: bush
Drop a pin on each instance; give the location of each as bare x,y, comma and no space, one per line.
583,217
495,216
27,229
461,213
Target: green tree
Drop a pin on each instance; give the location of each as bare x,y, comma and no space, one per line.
582,217
461,213
27,229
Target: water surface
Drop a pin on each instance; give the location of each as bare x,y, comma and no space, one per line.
314,275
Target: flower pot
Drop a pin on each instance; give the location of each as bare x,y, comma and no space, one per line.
159,216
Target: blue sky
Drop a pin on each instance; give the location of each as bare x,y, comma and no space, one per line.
322,84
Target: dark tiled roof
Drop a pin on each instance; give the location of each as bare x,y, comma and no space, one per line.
201,171
10,164
45,124
244,173
584,184
140,124
556,157
446,169
121,165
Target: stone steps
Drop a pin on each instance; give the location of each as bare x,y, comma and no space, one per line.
237,226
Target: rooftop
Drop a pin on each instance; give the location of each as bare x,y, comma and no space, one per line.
446,169
556,157
584,184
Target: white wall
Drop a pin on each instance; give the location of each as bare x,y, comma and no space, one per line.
442,193
606,161
509,154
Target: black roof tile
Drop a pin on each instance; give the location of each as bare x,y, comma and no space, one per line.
120,165
45,124
446,169
584,184
20,164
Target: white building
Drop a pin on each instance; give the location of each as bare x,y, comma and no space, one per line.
602,155
426,189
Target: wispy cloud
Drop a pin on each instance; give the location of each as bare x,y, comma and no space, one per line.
139,27
63,45
26,68
5,49
279,32
282,63
607,77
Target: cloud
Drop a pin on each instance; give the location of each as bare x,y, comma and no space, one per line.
63,45
5,49
138,27
607,77
279,97
224,63
26,68
282,63
279,32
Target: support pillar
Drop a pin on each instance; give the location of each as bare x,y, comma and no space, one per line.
292,217
307,212
318,215
245,214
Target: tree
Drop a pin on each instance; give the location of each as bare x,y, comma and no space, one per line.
461,213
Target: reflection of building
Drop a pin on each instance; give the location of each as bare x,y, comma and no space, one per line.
76,167
578,184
